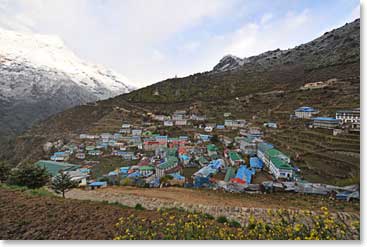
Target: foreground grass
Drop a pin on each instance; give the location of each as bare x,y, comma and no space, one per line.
36,192
181,225
41,211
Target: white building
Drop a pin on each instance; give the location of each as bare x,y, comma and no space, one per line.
349,117
126,126
161,117
235,123
168,123
305,112
181,122
136,132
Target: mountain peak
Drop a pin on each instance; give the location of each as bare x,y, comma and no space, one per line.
229,62
40,76
48,52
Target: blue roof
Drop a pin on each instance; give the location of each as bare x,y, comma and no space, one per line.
256,163
245,174
184,157
326,119
98,184
134,175
84,170
59,153
305,109
215,164
124,169
177,176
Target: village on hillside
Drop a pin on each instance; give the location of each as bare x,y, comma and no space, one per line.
230,156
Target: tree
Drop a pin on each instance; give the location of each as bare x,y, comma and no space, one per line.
62,183
29,175
5,169
215,138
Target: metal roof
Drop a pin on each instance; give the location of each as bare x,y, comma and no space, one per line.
305,109
326,119
54,167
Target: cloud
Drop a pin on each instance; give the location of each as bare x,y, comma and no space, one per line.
356,13
254,38
122,34
266,18
191,46
148,41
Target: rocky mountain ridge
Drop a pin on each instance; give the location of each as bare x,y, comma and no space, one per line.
40,76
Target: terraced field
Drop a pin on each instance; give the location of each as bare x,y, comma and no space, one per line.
321,156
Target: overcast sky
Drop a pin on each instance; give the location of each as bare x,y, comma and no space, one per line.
152,40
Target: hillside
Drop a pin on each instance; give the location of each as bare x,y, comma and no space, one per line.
333,55
259,89
40,215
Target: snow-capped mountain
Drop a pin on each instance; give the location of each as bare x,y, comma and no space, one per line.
49,55
40,76
229,62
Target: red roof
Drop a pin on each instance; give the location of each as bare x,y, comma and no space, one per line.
238,180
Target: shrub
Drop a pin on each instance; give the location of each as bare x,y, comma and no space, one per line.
222,219
29,175
4,171
138,206
126,182
209,216
235,224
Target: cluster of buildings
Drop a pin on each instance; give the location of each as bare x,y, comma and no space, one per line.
178,118
153,156
344,119
182,118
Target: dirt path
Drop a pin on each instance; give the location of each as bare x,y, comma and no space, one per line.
212,202
209,197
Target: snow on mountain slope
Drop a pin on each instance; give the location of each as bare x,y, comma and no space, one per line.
48,53
40,76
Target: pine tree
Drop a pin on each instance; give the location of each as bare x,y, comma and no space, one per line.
62,183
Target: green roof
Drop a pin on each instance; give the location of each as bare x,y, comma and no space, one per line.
234,156
214,156
276,153
170,162
280,164
212,148
273,152
249,139
203,160
171,152
239,138
54,167
146,168
263,146
229,174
